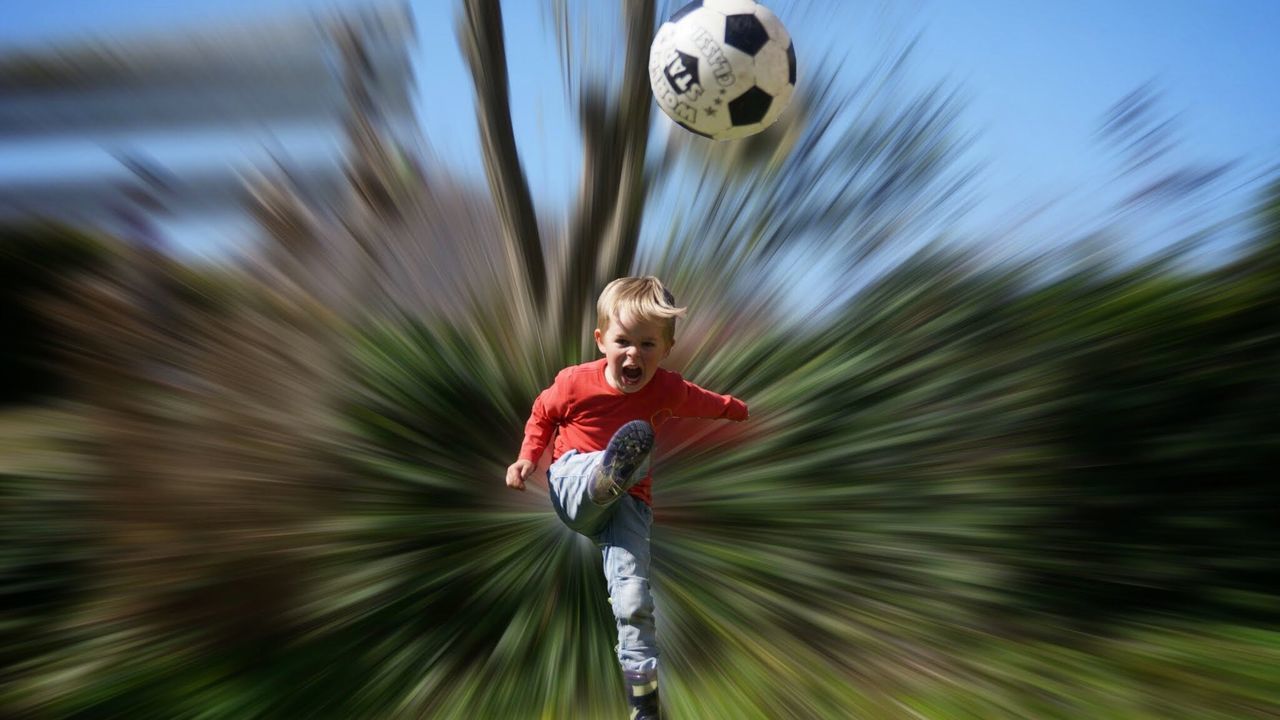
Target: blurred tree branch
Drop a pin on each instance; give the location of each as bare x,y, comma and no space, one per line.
480,32
605,222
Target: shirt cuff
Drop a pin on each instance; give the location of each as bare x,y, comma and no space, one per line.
737,410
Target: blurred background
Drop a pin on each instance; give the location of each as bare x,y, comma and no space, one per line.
280,281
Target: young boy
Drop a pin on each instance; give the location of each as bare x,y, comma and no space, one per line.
605,412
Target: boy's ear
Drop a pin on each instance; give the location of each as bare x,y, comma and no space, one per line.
599,339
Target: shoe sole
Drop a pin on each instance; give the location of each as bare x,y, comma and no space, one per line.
623,455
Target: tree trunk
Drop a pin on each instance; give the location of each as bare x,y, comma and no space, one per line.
606,224
480,32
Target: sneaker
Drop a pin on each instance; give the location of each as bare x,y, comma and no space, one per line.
626,452
642,695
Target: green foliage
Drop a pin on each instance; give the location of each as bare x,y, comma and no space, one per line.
1164,431
487,598
940,486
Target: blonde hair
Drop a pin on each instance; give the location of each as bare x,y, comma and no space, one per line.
643,298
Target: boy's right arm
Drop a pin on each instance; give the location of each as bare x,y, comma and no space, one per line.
546,414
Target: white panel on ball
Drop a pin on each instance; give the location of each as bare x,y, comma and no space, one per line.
772,69
737,133
711,21
714,122
731,7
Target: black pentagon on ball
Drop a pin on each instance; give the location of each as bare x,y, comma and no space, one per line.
685,10
791,63
750,107
745,33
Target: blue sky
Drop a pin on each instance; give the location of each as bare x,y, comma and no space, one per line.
1037,77
1040,75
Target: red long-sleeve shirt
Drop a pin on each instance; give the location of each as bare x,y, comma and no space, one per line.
587,410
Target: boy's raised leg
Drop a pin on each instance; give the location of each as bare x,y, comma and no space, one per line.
585,485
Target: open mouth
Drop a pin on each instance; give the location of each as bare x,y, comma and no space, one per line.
631,375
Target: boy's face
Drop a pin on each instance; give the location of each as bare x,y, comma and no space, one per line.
632,349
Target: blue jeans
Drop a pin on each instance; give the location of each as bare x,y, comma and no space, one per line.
621,531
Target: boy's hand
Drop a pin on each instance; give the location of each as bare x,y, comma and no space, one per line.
518,472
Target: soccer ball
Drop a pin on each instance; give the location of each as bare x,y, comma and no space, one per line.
723,69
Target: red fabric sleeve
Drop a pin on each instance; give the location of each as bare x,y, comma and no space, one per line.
700,403
548,411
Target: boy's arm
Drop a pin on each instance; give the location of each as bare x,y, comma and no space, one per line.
547,411
701,403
